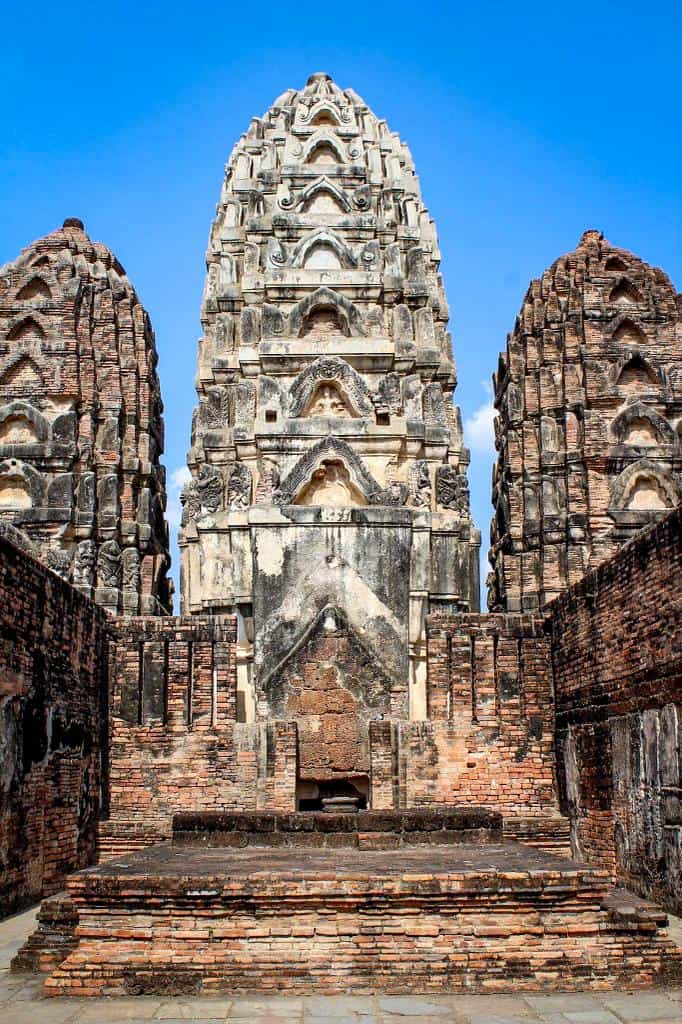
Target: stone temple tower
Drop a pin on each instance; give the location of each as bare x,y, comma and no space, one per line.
81,432
328,493
589,394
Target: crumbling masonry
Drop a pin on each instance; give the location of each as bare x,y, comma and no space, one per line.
357,778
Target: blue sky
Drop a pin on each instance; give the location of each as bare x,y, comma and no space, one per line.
528,123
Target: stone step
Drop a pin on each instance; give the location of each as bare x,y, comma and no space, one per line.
365,830
477,917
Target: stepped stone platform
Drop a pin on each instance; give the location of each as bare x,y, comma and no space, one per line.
486,916
364,830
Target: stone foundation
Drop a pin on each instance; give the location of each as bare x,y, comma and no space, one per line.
365,830
487,917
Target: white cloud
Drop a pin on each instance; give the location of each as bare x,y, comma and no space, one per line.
177,480
479,430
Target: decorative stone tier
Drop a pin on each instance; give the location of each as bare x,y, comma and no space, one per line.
482,917
365,830
551,833
53,939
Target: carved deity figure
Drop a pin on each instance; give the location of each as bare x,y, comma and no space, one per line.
202,494
239,487
84,563
327,401
268,482
452,491
109,565
420,484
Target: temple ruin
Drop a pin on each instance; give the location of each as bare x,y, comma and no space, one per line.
331,772
81,431
328,490
589,395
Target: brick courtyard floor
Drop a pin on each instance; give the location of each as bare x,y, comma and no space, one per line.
21,1003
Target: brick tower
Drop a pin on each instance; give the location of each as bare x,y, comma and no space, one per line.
81,486
328,504
589,395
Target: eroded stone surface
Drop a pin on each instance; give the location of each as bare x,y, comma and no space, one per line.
328,466
589,394
81,432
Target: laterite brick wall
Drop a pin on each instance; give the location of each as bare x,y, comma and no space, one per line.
53,712
617,651
490,735
175,742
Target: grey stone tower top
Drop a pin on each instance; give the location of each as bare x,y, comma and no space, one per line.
325,384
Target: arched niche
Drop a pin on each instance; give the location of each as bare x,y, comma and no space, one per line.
21,486
615,263
329,470
638,424
324,151
646,493
15,493
323,313
323,322
330,484
20,423
625,294
330,241
17,429
329,370
635,375
324,114
36,288
322,256
644,485
641,432
324,201
22,376
323,196
627,333
27,328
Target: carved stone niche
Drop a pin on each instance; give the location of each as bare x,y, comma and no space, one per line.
329,387
330,473
330,484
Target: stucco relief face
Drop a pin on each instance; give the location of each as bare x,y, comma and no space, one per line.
328,401
331,485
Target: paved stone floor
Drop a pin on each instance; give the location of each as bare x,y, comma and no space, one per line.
21,1003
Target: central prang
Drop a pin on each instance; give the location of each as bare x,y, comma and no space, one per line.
325,436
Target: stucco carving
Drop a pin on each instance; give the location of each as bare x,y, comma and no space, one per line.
597,345
329,336
330,368
83,457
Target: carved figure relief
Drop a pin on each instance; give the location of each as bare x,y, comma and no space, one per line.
420,484
109,565
239,487
452,490
84,564
268,482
